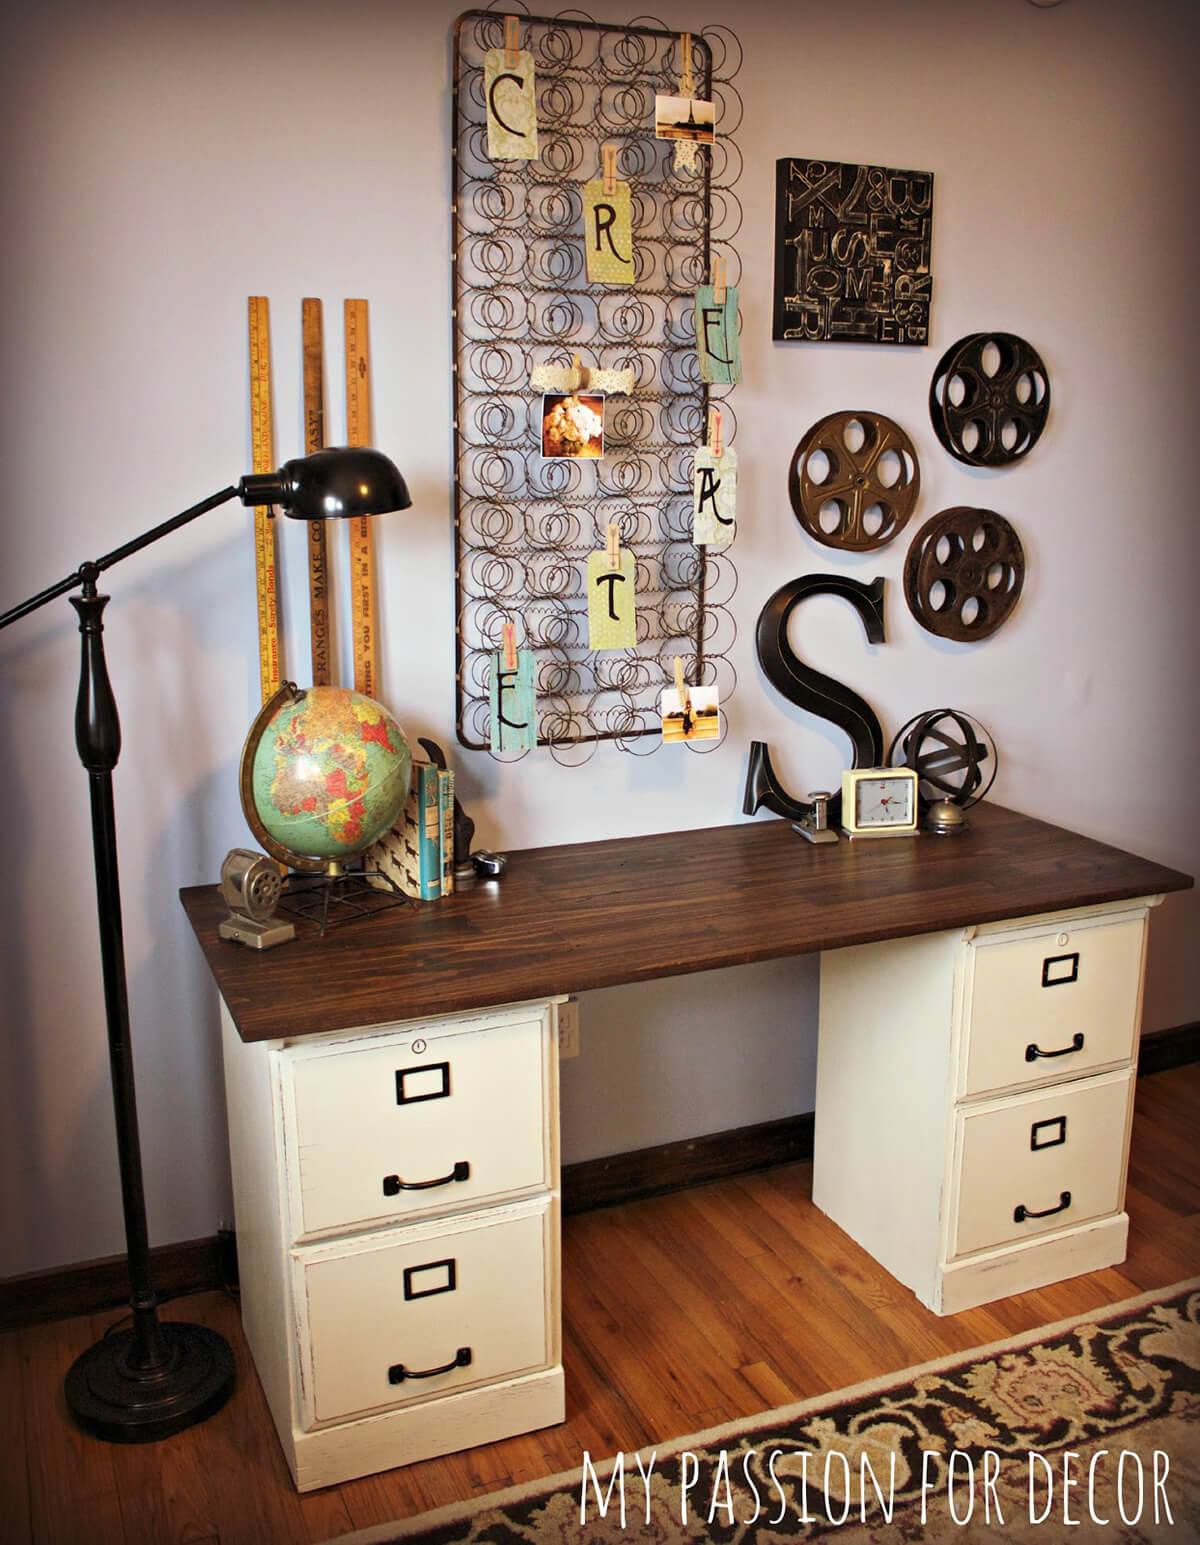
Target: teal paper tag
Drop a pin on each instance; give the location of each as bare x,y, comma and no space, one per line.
514,708
717,337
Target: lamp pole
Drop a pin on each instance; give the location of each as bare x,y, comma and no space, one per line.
159,1377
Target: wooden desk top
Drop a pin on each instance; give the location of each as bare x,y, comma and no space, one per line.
596,914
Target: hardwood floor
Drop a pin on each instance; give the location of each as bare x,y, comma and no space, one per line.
679,1313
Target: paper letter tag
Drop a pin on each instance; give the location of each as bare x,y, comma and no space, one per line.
612,605
717,337
511,107
608,233
514,710
714,497
695,716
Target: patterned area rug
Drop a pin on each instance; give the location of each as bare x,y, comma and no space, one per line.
1086,1431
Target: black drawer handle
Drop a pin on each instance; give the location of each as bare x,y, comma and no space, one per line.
1021,1213
397,1373
1032,1052
393,1185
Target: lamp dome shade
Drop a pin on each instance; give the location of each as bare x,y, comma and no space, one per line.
340,482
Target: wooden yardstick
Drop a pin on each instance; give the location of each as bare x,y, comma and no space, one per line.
265,568
314,440
358,432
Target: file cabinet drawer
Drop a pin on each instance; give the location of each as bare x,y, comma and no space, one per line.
1051,1004
421,1312
392,1127
1040,1162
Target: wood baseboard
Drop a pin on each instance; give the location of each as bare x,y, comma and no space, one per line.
1169,1049
200,1265
674,1166
195,1266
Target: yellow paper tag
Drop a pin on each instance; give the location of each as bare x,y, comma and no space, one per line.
608,233
612,604
511,99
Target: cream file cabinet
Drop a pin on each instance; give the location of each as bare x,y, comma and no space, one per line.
974,1096
397,1211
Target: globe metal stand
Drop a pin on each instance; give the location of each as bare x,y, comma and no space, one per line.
155,1379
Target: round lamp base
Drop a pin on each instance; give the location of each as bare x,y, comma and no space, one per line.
122,1404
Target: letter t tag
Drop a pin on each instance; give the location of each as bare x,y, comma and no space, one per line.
612,608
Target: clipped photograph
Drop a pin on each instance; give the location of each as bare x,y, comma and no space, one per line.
684,118
573,426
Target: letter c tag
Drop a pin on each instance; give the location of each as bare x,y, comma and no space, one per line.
511,98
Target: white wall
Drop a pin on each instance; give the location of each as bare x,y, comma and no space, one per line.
162,164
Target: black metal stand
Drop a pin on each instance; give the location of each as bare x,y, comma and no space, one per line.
152,1380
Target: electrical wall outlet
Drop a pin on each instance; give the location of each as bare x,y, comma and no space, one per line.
568,1029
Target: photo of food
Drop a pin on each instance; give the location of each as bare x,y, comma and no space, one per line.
684,118
573,425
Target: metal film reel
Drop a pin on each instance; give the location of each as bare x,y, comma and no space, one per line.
989,399
854,480
963,573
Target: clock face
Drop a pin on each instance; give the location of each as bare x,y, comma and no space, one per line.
883,802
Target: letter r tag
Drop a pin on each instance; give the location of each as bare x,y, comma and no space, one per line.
608,233
612,606
714,497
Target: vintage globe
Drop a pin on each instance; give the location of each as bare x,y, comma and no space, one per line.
325,771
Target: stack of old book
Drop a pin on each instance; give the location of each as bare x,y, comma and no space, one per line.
417,854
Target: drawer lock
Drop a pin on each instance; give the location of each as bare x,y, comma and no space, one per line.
393,1185
1033,1052
1021,1213
397,1373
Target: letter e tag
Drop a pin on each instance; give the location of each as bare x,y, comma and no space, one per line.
612,605
608,233
510,95
717,337
514,709
714,497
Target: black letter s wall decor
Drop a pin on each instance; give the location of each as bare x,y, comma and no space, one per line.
811,690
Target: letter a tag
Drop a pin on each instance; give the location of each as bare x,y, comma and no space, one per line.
514,711
510,94
714,497
612,607
717,337
608,233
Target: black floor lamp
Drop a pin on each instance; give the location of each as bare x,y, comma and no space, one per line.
159,1377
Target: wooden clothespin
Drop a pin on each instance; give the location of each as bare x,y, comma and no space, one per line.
714,431
512,41
577,374
609,156
681,685
718,269
687,83
613,555
508,634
